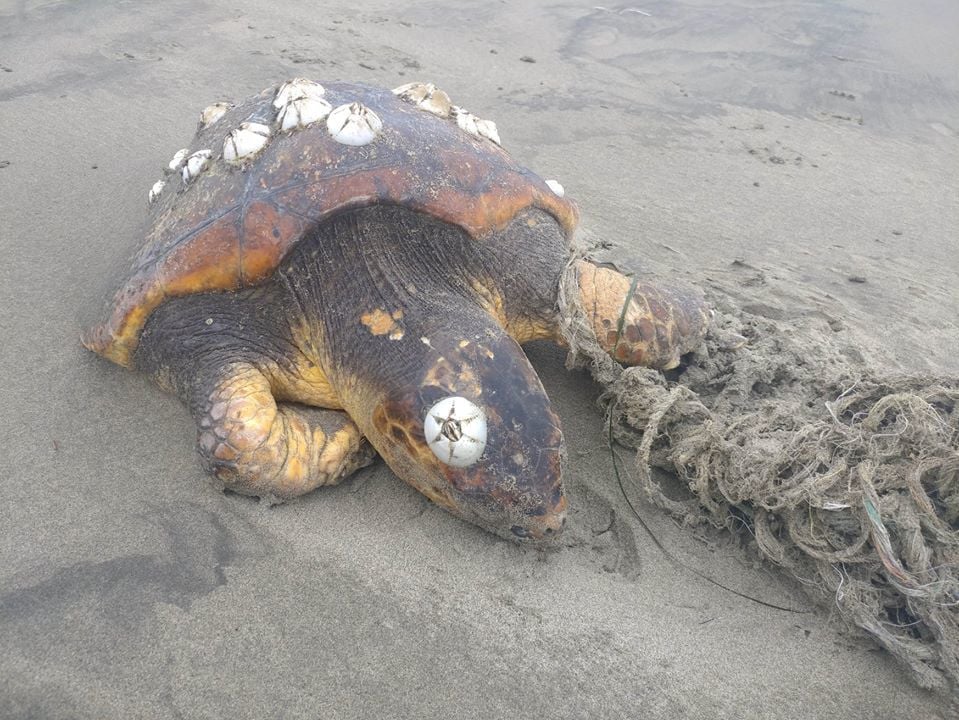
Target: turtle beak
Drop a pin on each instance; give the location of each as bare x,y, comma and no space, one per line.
547,527
514,516
515,488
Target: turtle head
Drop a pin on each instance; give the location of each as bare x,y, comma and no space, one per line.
477,436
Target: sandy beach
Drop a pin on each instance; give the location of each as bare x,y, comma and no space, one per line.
813,143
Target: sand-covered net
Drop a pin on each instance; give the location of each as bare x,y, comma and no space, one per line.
845,477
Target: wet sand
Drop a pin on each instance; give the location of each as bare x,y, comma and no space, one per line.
814,144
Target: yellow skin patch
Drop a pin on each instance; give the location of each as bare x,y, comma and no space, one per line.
454,377
522,329
307,384
381,322
304,382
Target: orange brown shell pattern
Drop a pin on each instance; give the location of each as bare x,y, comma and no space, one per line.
231,226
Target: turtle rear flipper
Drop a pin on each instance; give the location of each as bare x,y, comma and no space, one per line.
256,446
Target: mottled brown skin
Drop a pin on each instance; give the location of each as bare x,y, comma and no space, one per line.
264,295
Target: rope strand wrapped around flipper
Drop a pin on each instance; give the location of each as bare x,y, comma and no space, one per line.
847,478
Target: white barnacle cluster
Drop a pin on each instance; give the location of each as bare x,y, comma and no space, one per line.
354,124
426,96
475,126
245,142
188,164
175,164
156,190
299,102
195,164
211,113
558,189
455,430
177,161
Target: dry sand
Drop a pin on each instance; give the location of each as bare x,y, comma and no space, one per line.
815,142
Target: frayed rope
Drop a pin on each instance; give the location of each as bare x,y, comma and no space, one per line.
846,478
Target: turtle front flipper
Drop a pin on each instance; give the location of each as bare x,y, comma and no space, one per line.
637,321
256,446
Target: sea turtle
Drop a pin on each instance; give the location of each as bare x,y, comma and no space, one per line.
335,270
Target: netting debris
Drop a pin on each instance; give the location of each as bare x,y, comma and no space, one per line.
845,477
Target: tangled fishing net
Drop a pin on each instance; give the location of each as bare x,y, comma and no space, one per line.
846,478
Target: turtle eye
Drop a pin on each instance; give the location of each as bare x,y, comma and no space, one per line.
455,430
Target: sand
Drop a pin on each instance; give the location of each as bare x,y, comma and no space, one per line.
815,143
